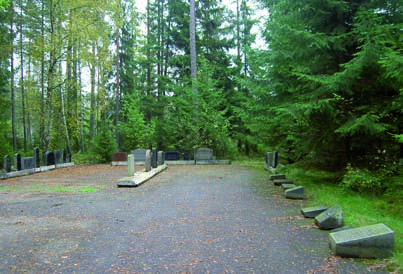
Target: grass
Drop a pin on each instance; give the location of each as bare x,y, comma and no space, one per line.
49,189
359,209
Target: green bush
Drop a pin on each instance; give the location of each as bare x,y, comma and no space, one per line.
363,180
104,145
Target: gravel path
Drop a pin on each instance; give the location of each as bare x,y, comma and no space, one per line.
188,219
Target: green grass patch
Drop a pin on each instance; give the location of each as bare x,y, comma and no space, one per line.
49,189
360,209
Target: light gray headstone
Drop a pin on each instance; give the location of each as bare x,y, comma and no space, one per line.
139,154
312,212
204,154
148,160
269,159
330,219
373,241
295,193
130,165
160,158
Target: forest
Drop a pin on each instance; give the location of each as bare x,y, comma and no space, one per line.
318,81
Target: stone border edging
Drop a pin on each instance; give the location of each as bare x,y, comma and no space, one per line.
20,173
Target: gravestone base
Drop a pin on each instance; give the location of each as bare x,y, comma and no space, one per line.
374,241
140,177
212,162
180,162
287,186
330,219
120,163
277,177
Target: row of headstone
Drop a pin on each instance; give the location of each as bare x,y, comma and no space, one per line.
271,159
200,154
24,163
373,241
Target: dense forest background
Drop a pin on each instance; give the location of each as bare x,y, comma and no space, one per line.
89,75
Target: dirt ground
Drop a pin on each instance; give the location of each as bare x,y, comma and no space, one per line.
188,219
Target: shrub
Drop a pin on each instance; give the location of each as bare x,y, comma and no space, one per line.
363,180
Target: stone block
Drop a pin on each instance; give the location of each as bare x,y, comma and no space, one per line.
279,182
373,241
269,159
346,227
275,159
49,158
154,158
186,156
277,177
37,158
330,219
130,165
312,212
17,162
160,158
295,193
27,163
287,186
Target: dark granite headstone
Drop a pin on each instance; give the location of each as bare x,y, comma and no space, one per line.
64,156
275,159
58,156
154,158
27,163
186,156
49,158
17,161
7,163
37,158
68,158
119,157
172,156
139,155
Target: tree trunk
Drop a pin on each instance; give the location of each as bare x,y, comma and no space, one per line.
13,115
193,60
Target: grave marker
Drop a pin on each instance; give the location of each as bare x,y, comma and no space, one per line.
17,161
373,241
130,165
172,156
296,193
160,157
312,212
49,158
27,163
330,219
7,163
154,158
37,158
275,159
148,160
139,155
186,156
204,154
269,159
119,157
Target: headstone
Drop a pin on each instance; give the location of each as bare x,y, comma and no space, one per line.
287,186
160,158
296,193
279,182
119,157
148,160
7,163
346,227
330,219
186,156
275,159
204,154
139,155
154,158
27,163
373,241
17,161
172,156
130,165
269,159
58,156
64,156
49,158
68,158
277,177
312,212
37,158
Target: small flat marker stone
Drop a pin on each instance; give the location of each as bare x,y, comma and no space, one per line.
330,219
279,182
296,193
276,177
287,186
373,241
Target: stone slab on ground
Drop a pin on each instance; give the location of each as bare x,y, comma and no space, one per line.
296,193
346,227
287,186
330,219
119,163
277,177
279,182
140,177
312,212
373,241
